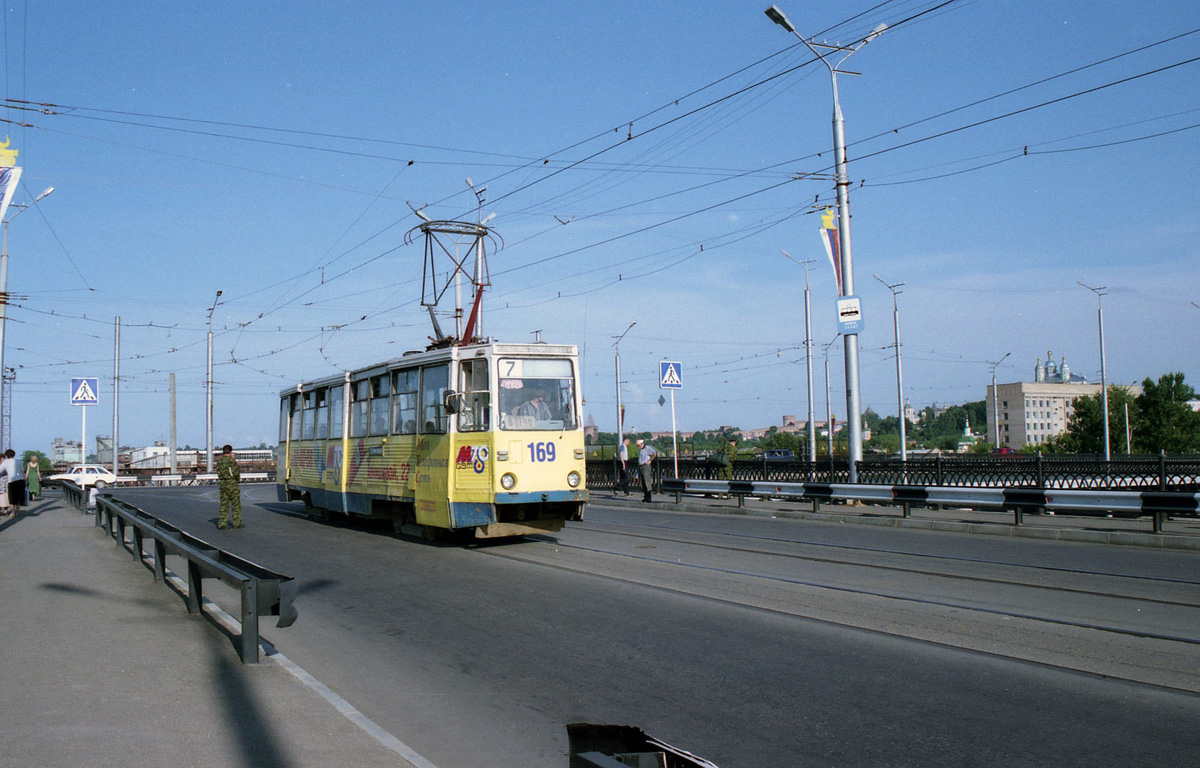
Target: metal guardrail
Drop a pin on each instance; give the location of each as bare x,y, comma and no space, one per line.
1150,472
263,592
1158,505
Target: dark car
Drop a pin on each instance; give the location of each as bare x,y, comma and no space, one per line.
778,454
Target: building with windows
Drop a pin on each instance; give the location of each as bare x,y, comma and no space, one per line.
1030,413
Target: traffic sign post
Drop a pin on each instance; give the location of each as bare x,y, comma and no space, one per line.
85,391
670,376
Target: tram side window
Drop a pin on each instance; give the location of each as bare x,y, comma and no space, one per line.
335,412
475,413
361,399
381,390
322,422
404,402
434,381
308,416
295,414
285,415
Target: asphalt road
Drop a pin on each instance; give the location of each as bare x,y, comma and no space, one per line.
748,641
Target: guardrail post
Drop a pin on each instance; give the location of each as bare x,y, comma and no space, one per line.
195,591
160,556
249,621
1159,519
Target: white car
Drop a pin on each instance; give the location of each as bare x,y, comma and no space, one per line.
85,475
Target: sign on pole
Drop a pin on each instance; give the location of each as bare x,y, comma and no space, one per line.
85,391
670,375
850,319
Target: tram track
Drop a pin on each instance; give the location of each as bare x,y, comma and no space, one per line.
1089,629
1032,584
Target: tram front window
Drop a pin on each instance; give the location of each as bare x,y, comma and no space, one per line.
536,394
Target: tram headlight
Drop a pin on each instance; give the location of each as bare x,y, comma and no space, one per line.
508,480
573,479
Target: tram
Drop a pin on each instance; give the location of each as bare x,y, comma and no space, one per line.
483,438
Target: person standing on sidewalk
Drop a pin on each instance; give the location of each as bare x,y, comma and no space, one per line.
228,476
16,481
623,458
646,456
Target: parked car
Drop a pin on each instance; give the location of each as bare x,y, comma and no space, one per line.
777,454
85,475
1004,450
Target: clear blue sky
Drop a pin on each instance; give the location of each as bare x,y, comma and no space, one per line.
267,150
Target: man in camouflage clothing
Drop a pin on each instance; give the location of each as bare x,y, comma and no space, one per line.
228,476
730,453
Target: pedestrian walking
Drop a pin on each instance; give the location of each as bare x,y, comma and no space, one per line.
228,477
33,477
646,456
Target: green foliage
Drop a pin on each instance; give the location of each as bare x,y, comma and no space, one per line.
1164,420
43,462
1085,427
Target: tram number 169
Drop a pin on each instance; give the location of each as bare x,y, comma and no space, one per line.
541,451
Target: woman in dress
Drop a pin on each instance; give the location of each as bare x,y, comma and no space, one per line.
33,478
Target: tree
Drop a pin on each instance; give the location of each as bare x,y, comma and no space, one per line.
1165,422
1085,427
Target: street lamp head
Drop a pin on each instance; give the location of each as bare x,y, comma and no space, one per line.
875,33
777,16
45,192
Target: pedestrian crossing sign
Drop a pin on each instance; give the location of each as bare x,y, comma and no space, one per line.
85,391
670,375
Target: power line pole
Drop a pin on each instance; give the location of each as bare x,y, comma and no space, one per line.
899,367
1100,292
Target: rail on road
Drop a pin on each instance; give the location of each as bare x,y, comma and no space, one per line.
263,592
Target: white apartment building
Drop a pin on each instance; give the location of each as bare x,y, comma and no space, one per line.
1031,413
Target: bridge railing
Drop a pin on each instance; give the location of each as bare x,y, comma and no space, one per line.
1150,472
263,592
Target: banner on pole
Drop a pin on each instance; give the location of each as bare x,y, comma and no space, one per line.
829,238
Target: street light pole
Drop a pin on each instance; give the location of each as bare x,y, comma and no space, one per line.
842,182
208,459
1103,382
808,356
5,428
995,400
899,367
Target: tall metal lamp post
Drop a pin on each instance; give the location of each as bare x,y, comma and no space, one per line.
899,366
208,422
808,356
842,181
996,400
5,428
1103,382
828,409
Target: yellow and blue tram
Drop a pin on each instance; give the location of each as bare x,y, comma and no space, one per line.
484,438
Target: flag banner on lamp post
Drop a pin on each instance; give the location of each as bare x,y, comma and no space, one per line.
829,238
8,184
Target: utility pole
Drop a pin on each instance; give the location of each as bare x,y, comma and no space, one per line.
620,421
208,459
828,412
1100,292
116,438
899,367
995,399
842,182
808,356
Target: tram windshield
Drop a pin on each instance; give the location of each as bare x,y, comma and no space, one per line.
536,393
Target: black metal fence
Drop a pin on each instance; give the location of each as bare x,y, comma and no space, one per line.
1158,473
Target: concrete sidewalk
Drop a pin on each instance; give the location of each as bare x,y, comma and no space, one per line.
1181,533
101,666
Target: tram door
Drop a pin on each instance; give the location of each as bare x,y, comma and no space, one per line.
433,449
